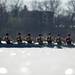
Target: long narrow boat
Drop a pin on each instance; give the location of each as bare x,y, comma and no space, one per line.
36,45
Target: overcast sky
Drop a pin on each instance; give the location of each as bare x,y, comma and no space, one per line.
63,2
28,2
44,0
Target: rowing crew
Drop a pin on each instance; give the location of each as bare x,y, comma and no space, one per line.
40,39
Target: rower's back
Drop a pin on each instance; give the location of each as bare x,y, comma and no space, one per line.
7,38
68,39
40,39
49,38
19,38
29,39
58,39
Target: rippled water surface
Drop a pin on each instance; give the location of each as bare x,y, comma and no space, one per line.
37,61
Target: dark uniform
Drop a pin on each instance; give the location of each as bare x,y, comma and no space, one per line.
40,39
7,38
19,38
68,39
49,39
59,40
29,39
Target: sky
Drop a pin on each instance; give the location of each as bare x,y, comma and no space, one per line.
27,2
63,2
43,0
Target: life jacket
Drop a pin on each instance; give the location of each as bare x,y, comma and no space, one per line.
29,39
49,39
58,40
19,39
7,40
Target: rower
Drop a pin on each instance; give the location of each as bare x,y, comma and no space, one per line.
19,38
40,39
59,40
68,39
29,39
49,38
7,38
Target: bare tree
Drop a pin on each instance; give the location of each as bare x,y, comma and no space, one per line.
40,6
71,10
54,5
16,7
71,5
34,5
3,13
49,5
3,7
16,4
3,4
46,5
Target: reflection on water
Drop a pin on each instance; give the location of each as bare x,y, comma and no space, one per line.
28,63
1,50
3,70
25,70
37,61
69,71
13,54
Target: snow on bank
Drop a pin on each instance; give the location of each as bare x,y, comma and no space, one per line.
37,61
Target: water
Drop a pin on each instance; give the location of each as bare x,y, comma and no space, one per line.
37,61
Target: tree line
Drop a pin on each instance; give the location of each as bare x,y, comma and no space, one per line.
40,17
